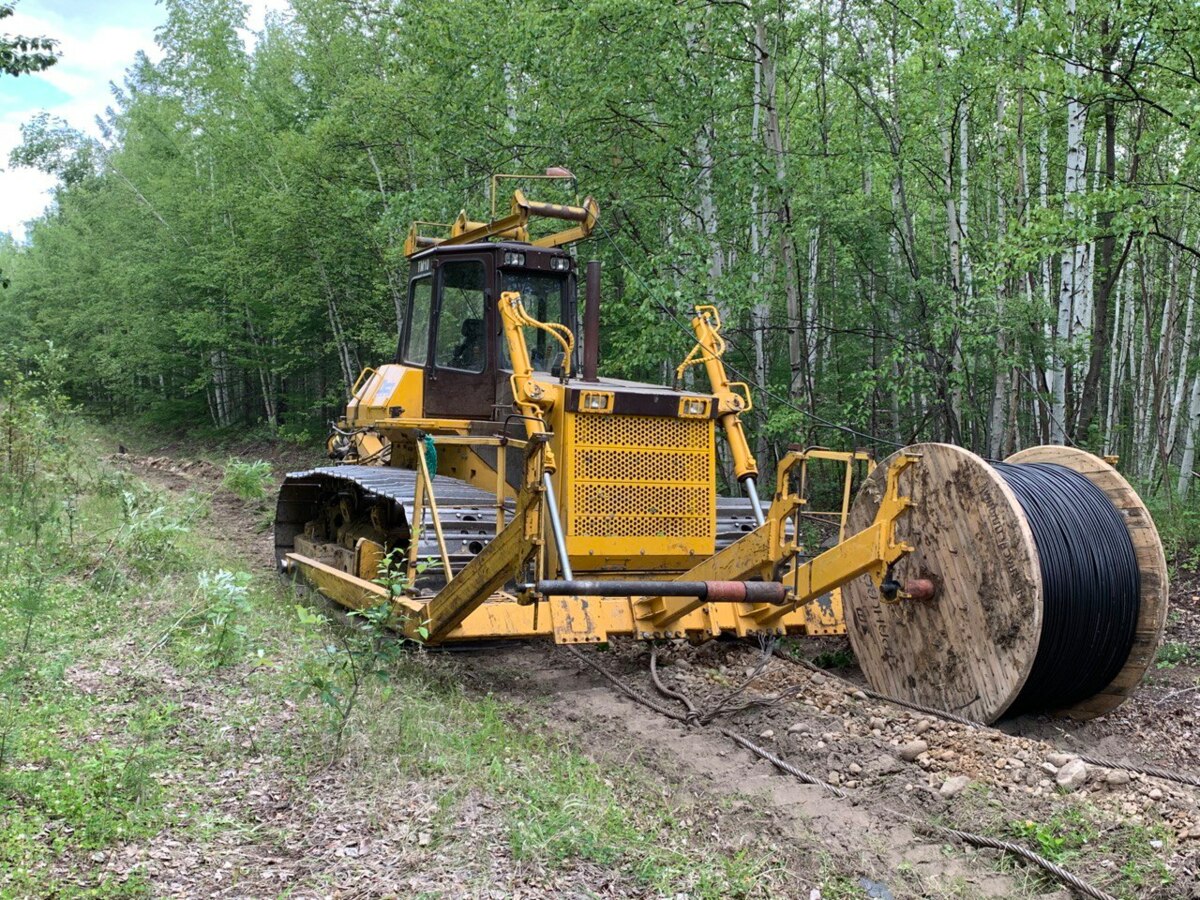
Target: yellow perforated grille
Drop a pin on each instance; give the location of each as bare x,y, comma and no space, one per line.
642,432
641,476
641,465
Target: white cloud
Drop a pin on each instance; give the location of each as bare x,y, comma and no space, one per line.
98,42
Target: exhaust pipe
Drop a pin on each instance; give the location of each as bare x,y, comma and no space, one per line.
591,322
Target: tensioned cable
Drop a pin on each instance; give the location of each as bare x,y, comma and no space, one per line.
1091,585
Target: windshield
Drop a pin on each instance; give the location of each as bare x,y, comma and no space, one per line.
542,295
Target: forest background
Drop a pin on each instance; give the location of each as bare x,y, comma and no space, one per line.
956,220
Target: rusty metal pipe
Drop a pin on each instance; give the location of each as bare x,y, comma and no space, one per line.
708,591
557,211
591,322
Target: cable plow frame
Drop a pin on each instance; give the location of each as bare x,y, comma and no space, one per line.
602,518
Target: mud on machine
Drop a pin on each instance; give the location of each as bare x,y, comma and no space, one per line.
509,494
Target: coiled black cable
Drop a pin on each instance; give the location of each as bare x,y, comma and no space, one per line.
1091,585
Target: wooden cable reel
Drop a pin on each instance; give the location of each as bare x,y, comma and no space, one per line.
971,648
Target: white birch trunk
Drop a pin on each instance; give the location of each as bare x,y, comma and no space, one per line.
1187,465
773,134
1122,326
762,309
1000,386
1073,258
1176,412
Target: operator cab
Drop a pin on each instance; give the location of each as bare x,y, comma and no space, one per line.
452,328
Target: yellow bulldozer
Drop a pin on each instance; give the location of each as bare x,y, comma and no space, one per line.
488,483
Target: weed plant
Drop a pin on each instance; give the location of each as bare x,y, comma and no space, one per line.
249,481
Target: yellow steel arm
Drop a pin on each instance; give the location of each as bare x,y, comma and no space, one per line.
499,562
531,398
733,397
514,226
764,551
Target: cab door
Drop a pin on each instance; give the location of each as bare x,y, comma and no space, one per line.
460,379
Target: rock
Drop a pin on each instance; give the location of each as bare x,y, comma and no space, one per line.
1155,794
1117,778
817,678
799,728
911,751
854,769
1072,774
1156,845
1058,760
884,765
767,735
859,695
835,778
923,726
1049,768
954,786
878,722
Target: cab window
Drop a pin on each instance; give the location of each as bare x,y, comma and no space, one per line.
461,340
420,305
542,297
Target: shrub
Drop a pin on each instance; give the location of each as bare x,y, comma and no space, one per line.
247,481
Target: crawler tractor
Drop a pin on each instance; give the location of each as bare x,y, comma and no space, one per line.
488,483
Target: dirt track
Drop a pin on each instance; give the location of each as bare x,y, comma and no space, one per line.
827,729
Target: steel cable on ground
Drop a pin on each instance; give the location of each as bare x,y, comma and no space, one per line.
977,840
1149,769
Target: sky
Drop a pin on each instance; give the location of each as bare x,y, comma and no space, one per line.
98,40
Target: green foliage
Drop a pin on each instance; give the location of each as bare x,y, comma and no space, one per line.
1175,653
840,658
221,622
21,55
247,480
337,671
231,255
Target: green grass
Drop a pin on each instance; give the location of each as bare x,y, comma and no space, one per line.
1077,836
137,660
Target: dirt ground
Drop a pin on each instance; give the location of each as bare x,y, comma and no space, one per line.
1129,832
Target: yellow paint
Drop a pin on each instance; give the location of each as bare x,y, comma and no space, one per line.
390,391
733,397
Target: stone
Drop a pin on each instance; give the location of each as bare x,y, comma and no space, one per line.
912,750
1058,760
884,765
1072,774
954,786
1117,778
766,735
1155,794
817,678
923,726
854,769
1049,768
799,728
